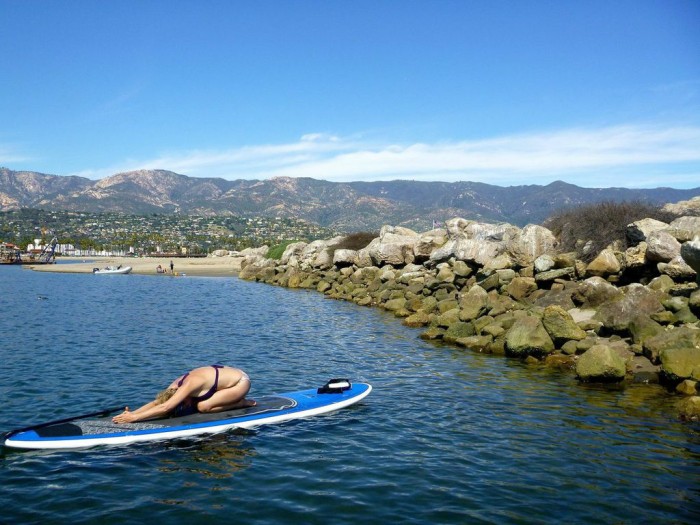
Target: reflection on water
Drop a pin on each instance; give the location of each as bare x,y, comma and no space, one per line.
217,456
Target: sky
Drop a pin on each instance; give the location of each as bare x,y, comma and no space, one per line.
595,93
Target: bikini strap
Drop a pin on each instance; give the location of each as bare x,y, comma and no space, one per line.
182,379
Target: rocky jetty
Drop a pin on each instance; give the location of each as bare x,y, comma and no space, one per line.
629,314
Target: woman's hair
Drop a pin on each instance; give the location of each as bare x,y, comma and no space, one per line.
163,396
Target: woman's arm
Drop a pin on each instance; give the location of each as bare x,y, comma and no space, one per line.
152,410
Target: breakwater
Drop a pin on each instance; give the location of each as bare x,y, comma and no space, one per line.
628,314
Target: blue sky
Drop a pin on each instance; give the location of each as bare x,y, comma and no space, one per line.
596,93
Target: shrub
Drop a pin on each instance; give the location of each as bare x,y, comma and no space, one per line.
356,241
275,252
598,225
353,241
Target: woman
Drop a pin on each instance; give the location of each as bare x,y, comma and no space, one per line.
207,389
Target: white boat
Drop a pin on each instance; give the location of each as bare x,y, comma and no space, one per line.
112,270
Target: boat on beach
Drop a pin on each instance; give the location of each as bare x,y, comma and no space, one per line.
112,270
11,254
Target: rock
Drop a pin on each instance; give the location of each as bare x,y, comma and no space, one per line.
528,336
689,207
395,246
694,301
520,287
690,251
604,264
560,362
643,370
680,363
662,247
428,242
687,387
417,319
544,263
505,276
458,330
618,313
677,269
344,257
600,363
478,343
663,284
461,269
293,253
448,318
565,260
635,256
445,274
490,283
560,325
689,408
551,275
474,242
686,228
530,243
682,337
643,328
432,333
638,231
473,303
560,298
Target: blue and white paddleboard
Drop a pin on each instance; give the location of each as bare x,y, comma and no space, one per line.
91,430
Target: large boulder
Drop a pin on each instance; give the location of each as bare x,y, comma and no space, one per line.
690,251
677,269
682,337
606,263
344,257
520,287
679,363
318,254
395,246
293,253
560,325
473,303
474,242
638,231
527,337
529,244
601,363
689,408
595,291
428,242
618,313
685,228
662,247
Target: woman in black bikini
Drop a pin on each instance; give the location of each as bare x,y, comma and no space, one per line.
207,389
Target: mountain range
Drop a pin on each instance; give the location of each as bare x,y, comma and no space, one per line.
345,207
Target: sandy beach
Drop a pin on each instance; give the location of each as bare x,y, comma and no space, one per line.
202,267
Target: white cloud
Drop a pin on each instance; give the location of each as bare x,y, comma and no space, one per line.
9,155
612,156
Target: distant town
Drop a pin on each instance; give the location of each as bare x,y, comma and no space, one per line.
81,233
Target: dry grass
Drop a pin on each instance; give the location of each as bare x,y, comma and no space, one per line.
598,225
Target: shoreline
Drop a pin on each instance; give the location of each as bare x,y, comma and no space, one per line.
194,267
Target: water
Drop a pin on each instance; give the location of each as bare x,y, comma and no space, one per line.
447,436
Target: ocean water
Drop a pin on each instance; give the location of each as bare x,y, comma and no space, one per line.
447,435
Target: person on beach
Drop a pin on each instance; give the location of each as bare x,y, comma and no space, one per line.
212,388
171,266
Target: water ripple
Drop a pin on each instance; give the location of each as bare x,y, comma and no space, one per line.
447,436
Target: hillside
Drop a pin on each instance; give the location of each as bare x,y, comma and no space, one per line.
342,206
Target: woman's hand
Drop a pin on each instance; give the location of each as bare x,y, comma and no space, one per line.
124,417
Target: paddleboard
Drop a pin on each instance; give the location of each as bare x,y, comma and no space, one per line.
97,428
